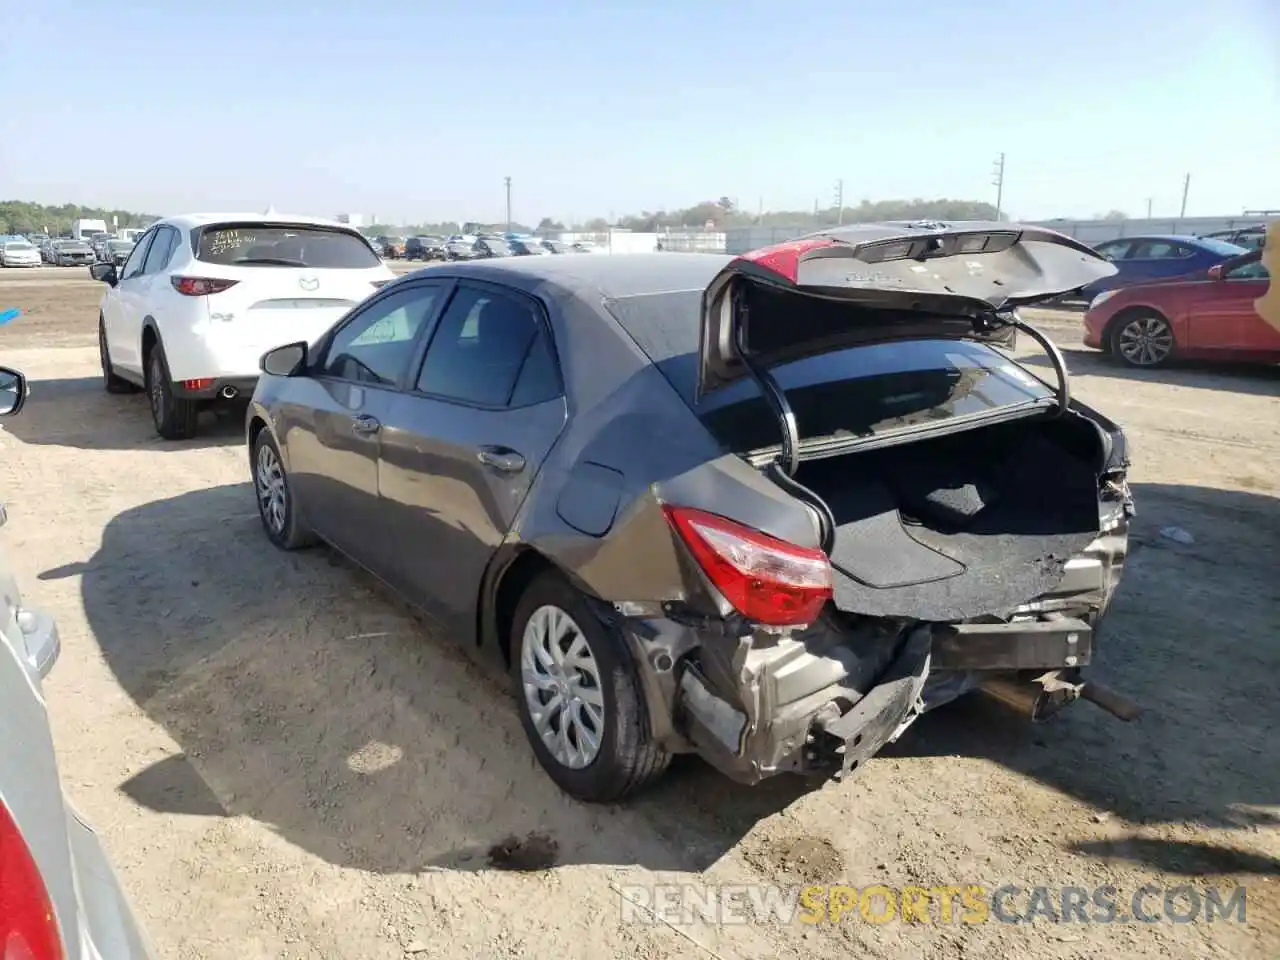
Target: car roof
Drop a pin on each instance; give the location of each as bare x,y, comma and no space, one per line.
612,276
193,220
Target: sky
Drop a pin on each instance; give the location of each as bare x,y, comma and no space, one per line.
416,111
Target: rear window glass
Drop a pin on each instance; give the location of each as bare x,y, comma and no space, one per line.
274,245
1222,247
873,389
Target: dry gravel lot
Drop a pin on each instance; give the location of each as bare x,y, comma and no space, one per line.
285,763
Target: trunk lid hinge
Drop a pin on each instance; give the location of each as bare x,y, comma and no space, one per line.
782,469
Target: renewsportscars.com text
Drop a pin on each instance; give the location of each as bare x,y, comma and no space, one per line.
687,904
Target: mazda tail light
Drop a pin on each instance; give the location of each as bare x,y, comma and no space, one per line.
768,581
200,286
28,927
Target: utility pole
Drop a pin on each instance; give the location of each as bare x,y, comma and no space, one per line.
507,180
1186,185
998,183
839,202
1148,208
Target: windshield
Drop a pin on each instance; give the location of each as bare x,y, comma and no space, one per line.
1222,247
71,245
18,245
275,245
870,390
119,246
498,246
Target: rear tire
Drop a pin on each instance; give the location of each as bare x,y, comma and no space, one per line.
175,418
608,752
110,381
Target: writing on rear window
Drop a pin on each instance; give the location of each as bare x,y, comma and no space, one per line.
275,245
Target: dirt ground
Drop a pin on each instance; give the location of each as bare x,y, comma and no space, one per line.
283,762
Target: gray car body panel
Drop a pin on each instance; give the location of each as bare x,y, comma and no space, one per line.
628,441
93,913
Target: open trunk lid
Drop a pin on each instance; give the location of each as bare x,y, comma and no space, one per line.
903,275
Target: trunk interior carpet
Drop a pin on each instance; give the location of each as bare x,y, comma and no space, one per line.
947,530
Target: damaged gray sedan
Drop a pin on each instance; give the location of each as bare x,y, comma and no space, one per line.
767,509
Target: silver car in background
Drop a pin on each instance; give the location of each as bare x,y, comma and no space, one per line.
59,897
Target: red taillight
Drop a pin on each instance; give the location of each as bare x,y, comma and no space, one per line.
200,286
767,580
203,383
28,928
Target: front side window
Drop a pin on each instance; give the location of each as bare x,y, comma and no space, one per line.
133,266
1116,250
479,351
375,345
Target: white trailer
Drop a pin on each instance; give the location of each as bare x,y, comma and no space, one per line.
84,229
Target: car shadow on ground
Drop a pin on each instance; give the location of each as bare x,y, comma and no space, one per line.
78,412
1255,379
1191,637
304,697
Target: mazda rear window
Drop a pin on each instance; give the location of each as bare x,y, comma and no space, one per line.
283,245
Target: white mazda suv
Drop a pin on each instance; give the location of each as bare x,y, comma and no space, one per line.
203,296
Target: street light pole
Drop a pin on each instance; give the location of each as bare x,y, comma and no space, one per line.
998,183
507,180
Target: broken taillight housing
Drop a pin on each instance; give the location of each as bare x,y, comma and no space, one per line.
767,580
200,286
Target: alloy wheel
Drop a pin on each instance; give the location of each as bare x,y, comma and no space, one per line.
561,680
273,492
1145,341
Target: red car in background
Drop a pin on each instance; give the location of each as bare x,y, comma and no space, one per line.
1229,312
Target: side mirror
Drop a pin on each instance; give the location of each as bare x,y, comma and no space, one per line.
13,391
286,361
1215,272
104,273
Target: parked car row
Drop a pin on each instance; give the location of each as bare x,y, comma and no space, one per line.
63,251
466,247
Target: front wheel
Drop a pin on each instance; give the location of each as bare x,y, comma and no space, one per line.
1142,339
579,696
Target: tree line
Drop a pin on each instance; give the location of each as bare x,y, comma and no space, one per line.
22,217
17,216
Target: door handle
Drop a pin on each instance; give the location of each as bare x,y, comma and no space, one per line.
364,424
501,458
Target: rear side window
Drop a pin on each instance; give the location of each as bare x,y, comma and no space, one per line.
1159,250
284,245
479,352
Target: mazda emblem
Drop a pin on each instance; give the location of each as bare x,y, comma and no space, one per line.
309,283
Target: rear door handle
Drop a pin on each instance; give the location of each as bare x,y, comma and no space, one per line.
501,458
364,424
